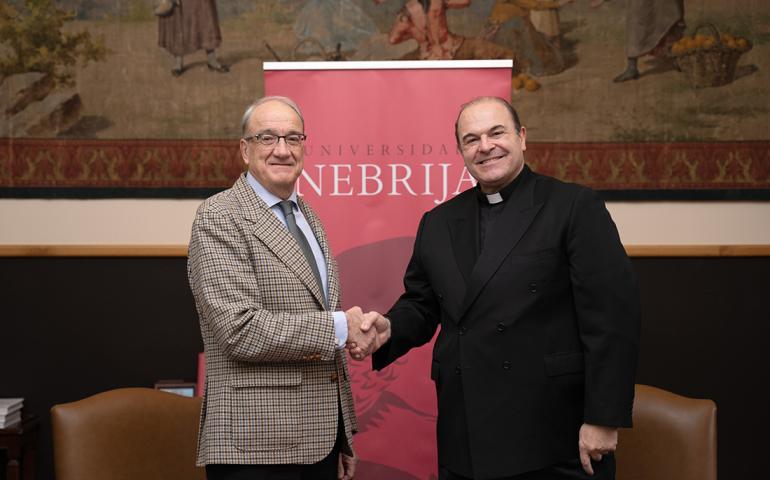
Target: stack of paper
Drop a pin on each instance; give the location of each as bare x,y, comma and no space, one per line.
10,411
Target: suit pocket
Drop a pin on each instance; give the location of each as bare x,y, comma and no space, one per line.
540,256
265,410
266,377
533,270
564,363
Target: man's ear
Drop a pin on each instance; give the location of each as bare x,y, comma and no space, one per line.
244,146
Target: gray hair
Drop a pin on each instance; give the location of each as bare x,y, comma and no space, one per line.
273,98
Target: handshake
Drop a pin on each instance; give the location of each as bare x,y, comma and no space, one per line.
367,332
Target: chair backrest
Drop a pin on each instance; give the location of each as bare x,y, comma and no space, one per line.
128,433
674,438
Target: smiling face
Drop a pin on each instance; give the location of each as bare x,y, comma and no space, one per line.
276,166
492,149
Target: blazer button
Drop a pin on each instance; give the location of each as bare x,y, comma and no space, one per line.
458,369
461,331
333,377
500,327
506,365
440,297
532,287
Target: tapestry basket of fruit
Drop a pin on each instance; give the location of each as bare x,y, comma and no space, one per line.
709,60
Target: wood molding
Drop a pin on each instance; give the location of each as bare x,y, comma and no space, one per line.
93,250
698,250
181,250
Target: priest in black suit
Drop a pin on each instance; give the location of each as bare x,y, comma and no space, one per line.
538,305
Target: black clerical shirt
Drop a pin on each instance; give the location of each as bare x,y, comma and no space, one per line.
489,212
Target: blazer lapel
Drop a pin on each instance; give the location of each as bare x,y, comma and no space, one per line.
275,236
514,220
464,233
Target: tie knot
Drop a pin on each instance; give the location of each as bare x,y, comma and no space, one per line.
287,207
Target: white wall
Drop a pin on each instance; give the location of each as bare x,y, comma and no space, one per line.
167,222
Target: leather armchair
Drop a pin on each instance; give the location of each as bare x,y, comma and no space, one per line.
674,438
142,433
128,433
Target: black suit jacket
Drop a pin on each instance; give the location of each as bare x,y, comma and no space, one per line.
539,333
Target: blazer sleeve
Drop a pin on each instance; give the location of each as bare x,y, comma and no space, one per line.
229,302
606,299
415,315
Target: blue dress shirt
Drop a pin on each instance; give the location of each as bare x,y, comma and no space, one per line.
272,201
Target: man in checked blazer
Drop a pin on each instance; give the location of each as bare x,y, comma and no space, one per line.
277,401
539,312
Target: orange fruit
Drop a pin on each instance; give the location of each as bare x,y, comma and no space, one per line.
517,82
726,37
531,85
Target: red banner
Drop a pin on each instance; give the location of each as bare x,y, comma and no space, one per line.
380,152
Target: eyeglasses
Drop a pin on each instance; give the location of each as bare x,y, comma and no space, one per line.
270,139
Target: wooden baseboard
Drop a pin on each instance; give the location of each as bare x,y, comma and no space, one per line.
181,250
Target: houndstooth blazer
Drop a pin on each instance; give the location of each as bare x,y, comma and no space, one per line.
274,375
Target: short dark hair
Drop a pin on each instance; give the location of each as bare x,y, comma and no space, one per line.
508,106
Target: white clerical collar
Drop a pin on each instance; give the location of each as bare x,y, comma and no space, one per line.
494,198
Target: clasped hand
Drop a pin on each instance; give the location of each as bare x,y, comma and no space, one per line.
367,332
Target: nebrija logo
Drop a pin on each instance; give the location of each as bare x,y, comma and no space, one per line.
415,169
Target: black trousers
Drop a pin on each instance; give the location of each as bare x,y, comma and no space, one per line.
569,470
326,469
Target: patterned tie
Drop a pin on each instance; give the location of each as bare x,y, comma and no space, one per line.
291,224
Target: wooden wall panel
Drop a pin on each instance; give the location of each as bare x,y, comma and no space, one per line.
74,326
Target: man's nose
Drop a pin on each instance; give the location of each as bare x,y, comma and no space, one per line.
281,148
485,144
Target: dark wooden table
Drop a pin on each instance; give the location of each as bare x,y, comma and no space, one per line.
20,443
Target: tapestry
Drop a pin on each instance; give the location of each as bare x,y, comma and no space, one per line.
641,99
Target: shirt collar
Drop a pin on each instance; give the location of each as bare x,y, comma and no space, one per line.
267,197
504,194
